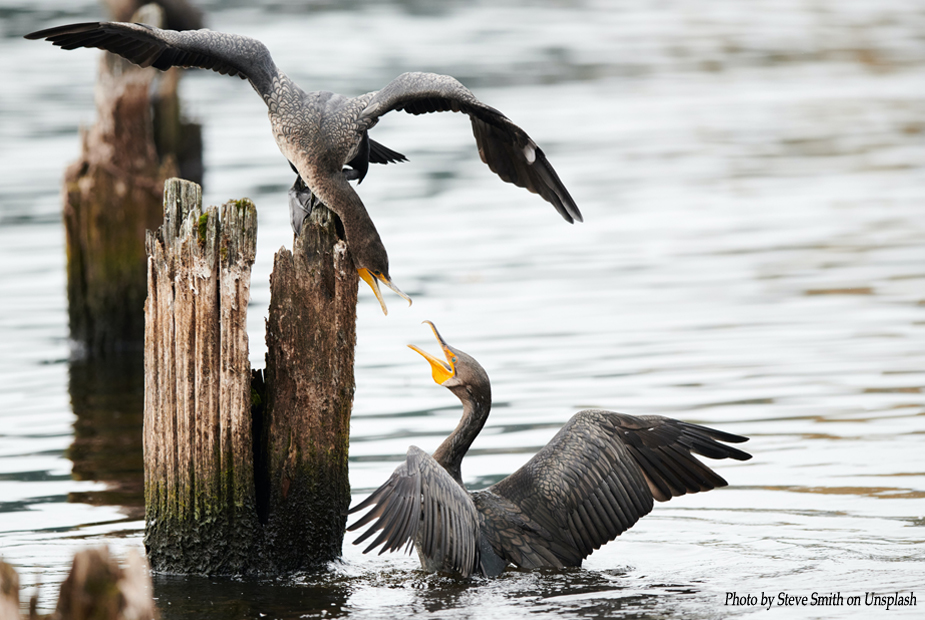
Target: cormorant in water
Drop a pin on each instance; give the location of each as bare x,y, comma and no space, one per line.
589,484
322,132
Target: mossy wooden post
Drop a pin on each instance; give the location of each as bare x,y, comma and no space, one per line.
311,337
199,480
113,194
242,479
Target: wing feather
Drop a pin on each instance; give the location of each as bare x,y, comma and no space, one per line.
503,146
421,504
594,480
228,54
381,154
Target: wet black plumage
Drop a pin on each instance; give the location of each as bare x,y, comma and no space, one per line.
599,475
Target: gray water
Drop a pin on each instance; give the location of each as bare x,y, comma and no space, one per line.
752,176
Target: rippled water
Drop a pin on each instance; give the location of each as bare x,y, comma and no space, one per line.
752,177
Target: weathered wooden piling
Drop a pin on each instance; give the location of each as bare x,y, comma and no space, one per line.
9,592
178,14
113,194
97,588
243,478
311,338
199,485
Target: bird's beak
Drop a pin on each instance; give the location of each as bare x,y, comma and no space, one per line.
373,281
441,371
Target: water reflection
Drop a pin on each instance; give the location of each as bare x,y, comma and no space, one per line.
314,595
107,397
568,593
396,592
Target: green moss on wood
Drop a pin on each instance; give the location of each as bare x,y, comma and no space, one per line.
203,224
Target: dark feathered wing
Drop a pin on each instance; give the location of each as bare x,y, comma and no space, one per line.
147,46
593,481
381,154
664,449
505,147
421,503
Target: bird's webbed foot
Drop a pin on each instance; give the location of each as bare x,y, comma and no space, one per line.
301,201
353,174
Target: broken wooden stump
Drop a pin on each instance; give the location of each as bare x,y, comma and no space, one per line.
97,588
178,14
113,194
243,478
199,488
311,338
9,592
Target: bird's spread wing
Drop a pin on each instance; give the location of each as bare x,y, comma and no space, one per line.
505,147
664,449
148,46
421,503
595,479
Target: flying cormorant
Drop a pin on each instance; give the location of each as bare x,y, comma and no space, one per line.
322,132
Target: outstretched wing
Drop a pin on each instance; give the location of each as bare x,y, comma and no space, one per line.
421,504
664,449
228,54
505,147
594,480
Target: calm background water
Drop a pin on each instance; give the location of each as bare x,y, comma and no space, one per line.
752,176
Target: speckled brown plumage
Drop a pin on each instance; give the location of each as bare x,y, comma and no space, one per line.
589,484
321,132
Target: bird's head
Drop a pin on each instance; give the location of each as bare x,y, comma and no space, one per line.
373,277
460,373
372,264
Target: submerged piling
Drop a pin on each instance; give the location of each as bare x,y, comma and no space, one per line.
242,477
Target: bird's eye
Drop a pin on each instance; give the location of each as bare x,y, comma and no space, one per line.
454,359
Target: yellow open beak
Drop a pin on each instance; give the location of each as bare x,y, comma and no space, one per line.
373,281
441,371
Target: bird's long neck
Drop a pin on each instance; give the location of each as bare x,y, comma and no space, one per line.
451,452
362,237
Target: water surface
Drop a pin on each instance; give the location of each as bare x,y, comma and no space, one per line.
752,178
